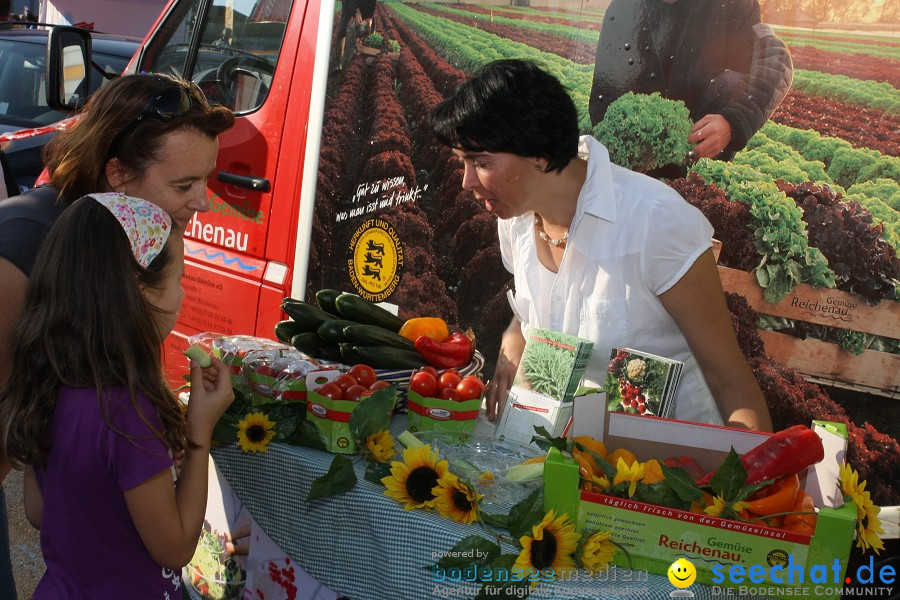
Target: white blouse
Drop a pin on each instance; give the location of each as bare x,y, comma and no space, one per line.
632,238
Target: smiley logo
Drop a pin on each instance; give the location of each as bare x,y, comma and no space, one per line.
682,573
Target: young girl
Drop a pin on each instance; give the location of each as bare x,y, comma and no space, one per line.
87,408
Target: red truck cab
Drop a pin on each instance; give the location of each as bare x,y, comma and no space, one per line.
295,204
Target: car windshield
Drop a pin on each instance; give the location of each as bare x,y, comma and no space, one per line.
23,100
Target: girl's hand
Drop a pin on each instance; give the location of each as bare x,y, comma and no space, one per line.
211,395
511,347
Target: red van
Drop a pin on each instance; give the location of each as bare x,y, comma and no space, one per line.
329,178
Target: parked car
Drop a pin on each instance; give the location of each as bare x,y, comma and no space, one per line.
26,122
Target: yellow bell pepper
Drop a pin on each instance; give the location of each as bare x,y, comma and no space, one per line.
431,327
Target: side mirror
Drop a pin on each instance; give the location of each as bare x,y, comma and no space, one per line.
68,76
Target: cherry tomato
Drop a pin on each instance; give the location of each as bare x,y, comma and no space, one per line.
364,374
330,390
430,369
452,371
345,381
424,384
449,379
469,388
355,392
378,385
449,394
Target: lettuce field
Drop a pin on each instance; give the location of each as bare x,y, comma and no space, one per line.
814,197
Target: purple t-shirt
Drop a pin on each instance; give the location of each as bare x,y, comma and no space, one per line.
89,542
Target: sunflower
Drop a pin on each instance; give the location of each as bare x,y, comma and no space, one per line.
412,481
719,506
633,473
868,526
597,551
453,499
255,431
551,546
380,446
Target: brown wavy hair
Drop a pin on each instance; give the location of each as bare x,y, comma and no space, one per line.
85,323
76,159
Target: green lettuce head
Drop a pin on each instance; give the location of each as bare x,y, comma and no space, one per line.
643,132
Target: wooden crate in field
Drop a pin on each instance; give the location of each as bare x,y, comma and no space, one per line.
824,362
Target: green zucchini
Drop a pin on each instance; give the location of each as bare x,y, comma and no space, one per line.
348,354
357,309
325,299
388,357
373,335
330,352
308,316
332,330
285,330
308,343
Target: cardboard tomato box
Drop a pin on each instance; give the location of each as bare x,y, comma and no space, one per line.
725,553
436,414
331,417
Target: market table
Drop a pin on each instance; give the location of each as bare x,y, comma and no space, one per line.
362,544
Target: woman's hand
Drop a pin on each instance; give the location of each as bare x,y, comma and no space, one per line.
238,541
211,395
711,134
511,347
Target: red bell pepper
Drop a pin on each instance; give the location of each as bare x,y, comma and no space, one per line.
787,452
455,351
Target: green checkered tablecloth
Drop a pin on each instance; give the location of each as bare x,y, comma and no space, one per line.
362,544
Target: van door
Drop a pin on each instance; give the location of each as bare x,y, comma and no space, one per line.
241,53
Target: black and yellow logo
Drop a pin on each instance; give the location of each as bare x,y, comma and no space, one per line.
376,260
343,442
777,557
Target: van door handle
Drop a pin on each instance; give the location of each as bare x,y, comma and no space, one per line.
257,184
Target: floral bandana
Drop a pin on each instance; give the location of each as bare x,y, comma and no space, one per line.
146,225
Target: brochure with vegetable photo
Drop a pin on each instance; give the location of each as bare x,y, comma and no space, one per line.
549,373
642,383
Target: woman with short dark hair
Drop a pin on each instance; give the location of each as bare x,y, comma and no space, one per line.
597,251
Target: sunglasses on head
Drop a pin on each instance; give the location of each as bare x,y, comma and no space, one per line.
165,106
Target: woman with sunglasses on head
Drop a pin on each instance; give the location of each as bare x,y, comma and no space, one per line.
149,136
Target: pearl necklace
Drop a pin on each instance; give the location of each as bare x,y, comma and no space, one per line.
543,234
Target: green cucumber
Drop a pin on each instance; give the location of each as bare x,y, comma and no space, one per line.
357,309
373,335
325,299
332,330
389,357
285,330
308,343
409,440
308,316
525,472
197,353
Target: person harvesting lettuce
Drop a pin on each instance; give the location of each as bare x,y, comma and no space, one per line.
596,250
730,69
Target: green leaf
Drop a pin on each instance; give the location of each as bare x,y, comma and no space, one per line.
306,435
543,438
472,549
504,589
681,483
226,429
373,413
662,494
499,521
729,478
749,490
376,471
339,479
526,514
